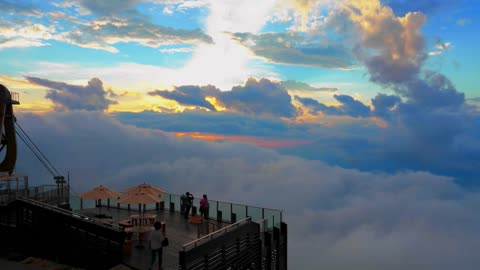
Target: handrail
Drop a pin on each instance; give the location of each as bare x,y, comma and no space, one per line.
232,203
71,214
210,236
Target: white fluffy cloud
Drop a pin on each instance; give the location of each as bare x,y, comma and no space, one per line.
338,218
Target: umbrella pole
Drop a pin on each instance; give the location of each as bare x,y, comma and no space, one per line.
140,240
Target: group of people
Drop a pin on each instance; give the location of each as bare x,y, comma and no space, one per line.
186,203
157,237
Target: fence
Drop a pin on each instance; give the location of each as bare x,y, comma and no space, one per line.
219,210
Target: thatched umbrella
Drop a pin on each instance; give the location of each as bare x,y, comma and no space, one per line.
99,193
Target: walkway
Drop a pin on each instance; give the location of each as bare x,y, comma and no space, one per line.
178,230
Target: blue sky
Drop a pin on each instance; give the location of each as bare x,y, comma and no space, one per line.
302,93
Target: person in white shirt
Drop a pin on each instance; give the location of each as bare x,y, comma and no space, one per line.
156,238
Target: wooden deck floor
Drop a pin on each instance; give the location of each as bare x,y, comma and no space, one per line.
178,230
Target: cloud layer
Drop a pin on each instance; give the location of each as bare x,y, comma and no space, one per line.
338,218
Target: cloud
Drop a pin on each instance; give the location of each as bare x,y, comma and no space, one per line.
20,43
224,123
463,22
17,35
262,97
392,48
349,106
295,85
101,34
108,8
338,218
295,49
176,50
190,95
109,24
67,97
15,7
385,104
440,47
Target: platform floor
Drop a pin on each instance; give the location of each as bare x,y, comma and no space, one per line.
178,230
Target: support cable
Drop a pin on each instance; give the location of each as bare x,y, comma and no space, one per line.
36,147
36,155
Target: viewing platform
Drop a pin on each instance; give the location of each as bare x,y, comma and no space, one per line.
234,236
184,235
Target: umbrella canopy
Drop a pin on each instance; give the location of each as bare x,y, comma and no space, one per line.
100,192
140,198
144,188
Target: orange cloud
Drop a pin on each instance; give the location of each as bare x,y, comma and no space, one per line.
258,141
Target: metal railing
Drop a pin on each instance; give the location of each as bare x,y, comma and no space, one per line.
215,234
71,214
219,210
14,96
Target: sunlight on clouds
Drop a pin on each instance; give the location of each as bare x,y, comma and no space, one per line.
373,19
31,96
258,141
223,63
227,61
219,107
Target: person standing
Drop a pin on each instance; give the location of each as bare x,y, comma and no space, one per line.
156,239
189,204
183,203
204,206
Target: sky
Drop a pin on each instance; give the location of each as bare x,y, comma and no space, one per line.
358,118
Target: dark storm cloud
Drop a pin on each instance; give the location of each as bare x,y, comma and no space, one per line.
66,97
349,106
190,95
384,104
262,97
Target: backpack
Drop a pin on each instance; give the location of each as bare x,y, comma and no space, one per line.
165,242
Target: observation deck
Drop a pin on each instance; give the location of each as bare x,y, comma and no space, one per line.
234,236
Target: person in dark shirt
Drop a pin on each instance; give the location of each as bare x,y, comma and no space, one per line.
189,204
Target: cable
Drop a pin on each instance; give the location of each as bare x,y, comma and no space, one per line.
36,147
36,155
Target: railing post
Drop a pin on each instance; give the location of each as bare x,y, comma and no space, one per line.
182,262
219,215
205,259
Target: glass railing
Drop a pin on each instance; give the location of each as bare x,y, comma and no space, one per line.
219,210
